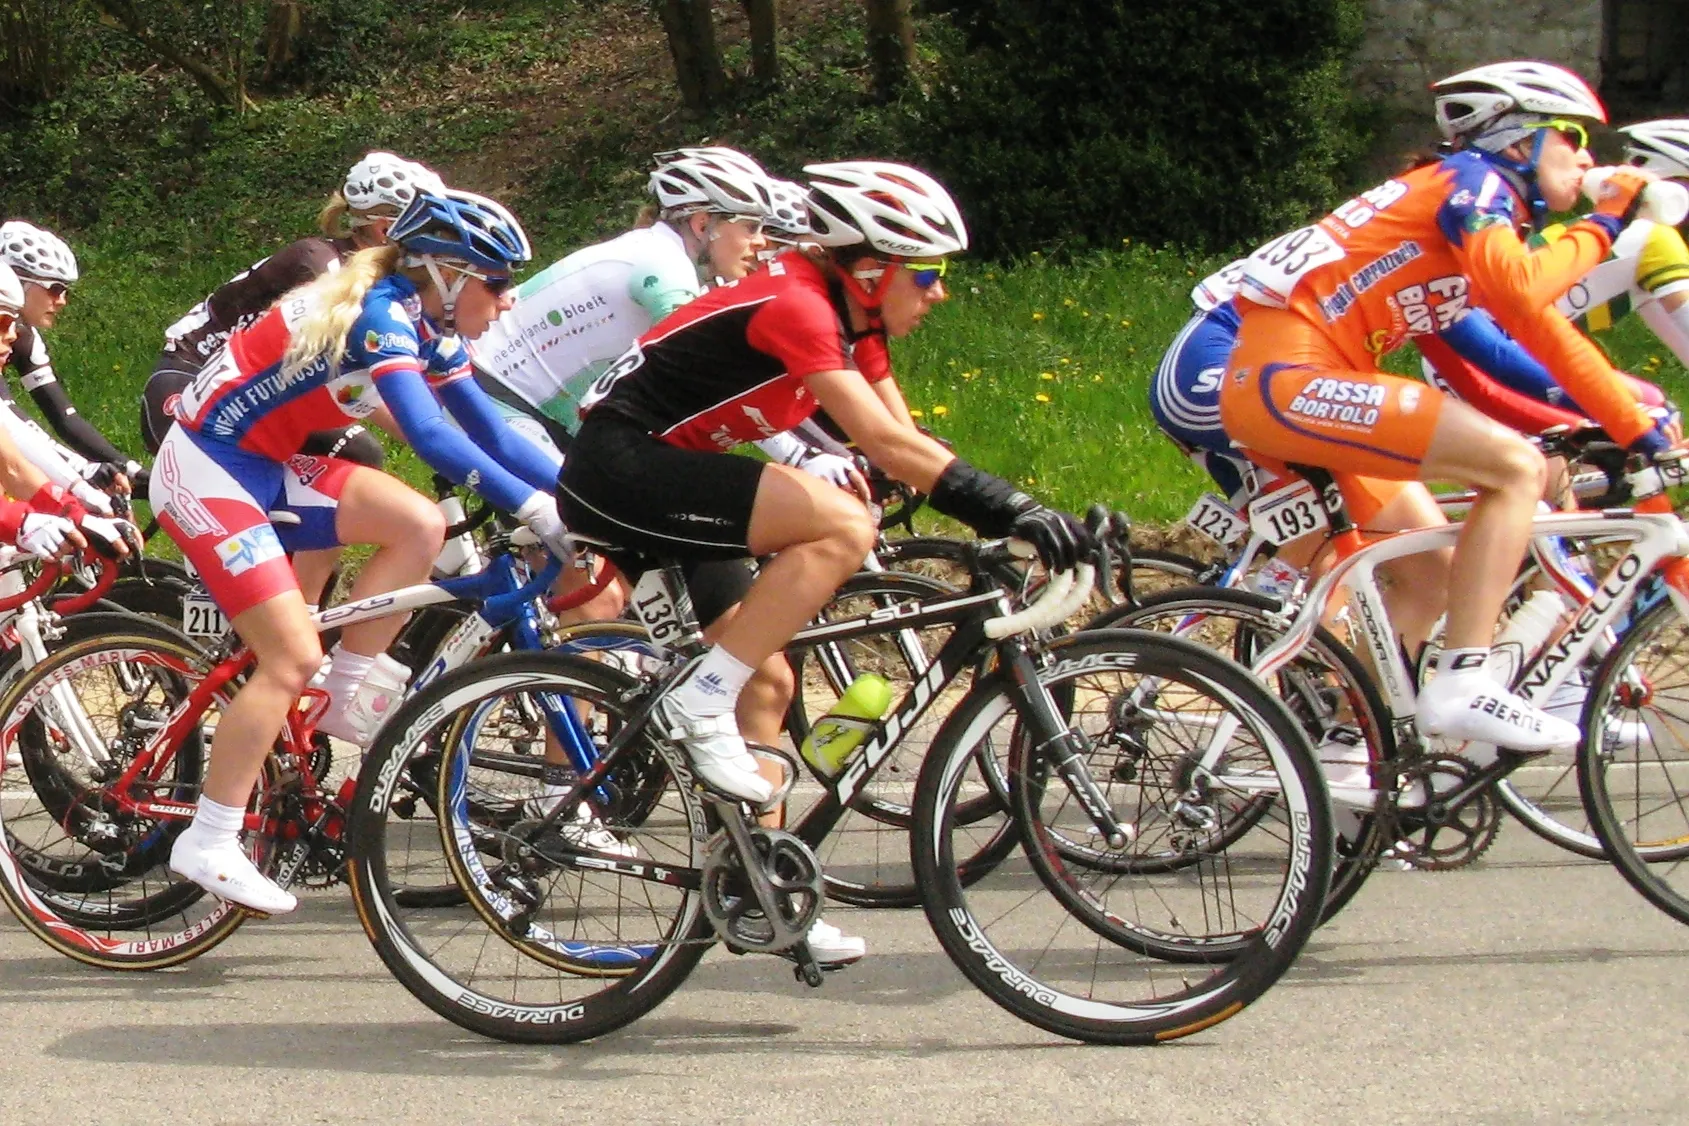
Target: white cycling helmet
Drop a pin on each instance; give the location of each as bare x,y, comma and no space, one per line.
11,291
788,216
895,209
35,253
1494,106
711,179
1659,146
382,179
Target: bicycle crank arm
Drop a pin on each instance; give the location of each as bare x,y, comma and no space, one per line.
756,878
1439,811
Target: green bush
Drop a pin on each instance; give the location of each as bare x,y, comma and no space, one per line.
1203,123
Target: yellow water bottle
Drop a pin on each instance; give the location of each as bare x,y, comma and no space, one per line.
843,728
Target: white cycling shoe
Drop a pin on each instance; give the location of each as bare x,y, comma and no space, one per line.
1473,707
830,946
717,752
585,831
225,871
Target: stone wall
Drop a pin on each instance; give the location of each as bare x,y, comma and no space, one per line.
1411,43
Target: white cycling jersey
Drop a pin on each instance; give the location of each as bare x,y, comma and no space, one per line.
574,318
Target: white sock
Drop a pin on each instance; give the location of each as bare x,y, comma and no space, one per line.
215,823
713,688
346,671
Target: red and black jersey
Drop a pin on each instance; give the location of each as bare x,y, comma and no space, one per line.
730,366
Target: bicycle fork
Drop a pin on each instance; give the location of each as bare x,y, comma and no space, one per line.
1064,748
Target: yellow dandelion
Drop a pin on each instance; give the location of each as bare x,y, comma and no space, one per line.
1037,316
1125,322
917,412
1096,379
1040,398
940,411
1064,360
1084,312
1046,375
1068,302
969,374
1125,242
1030,480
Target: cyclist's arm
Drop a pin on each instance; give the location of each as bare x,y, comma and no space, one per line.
1478,340
901,450
35,374
474,411
444,447
19,477
1518,287
1494,399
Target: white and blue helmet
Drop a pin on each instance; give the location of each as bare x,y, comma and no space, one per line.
461,226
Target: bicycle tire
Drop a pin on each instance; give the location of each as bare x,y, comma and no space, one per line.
1019,979
649,967
70,918
1604,762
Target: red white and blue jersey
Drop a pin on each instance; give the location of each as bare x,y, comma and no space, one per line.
243,397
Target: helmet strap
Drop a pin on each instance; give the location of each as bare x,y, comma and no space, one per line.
868,300
449,293
1522,174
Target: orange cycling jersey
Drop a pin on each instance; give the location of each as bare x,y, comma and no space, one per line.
1410,256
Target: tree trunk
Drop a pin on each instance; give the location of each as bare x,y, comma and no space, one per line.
891,45
215,86
765,23
281,36
697,61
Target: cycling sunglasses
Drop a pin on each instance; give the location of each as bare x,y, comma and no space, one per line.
55,288
1575,132
752,224
927,274
7,320
496,283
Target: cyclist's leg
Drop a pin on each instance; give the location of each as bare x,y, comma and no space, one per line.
339,502
349,443
1290,395
215,508
621,484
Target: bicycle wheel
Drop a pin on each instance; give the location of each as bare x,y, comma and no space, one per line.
866,856
541,950
1088,958
1633,771
82,873
1326,687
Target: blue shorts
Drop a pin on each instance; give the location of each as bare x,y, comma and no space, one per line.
1185,395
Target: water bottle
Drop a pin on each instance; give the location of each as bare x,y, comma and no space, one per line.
1527,630
843,728
1663,201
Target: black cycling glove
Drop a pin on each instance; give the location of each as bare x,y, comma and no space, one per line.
993,507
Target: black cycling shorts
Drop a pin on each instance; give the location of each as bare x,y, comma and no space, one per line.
175,371
646,497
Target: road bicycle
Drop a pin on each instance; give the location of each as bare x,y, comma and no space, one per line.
110,730
560,943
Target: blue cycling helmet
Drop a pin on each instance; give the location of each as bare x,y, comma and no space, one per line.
462,226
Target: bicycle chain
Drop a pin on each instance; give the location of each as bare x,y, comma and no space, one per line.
1461,840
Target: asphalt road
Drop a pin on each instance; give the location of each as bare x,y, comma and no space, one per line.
1532,988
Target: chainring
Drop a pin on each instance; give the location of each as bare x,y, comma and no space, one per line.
731,905
1464,837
